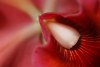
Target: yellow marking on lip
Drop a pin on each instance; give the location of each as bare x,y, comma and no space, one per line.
49,20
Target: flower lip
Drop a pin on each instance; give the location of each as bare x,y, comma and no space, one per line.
65,35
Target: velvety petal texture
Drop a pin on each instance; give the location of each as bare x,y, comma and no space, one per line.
12,20
86,51
81,15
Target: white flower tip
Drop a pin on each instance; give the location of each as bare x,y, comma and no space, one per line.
66,36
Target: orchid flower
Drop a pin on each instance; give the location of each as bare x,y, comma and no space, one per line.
49,33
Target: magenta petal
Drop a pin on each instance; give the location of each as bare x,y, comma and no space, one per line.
68,7
12,17
11,20
34,54
24,54
86,53
39,3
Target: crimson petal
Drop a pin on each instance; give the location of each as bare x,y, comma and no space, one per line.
86,51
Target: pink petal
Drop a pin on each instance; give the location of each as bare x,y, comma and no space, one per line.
11,20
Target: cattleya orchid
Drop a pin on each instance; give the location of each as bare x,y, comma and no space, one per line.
49,33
